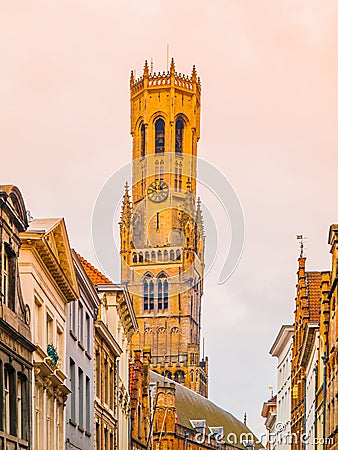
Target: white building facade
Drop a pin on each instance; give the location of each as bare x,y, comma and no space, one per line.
309,360
48,283
282,350
81,315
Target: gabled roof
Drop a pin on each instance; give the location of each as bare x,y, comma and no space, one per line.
11,196
94,274
50,239
192,406
313,284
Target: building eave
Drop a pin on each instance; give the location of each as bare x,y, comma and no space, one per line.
309,340
281,339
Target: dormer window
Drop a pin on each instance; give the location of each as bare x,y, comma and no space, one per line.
159,136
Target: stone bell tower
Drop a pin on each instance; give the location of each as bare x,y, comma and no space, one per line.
161,228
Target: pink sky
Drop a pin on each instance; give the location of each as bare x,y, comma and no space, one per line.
269,74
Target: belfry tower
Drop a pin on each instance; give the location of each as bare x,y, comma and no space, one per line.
162,234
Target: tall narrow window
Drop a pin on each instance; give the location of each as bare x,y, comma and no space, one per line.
80,323
10,388
73,323
179,136
49,329
157,170
88,333
161,170
97,375
160,294
80,397
106,382
73,389
19,418
165,296
145,295
143,140
159,136
5,278
151,295
88,409
180,177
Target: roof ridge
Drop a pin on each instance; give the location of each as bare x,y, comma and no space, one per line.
92,272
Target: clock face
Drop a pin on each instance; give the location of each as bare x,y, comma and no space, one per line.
158,191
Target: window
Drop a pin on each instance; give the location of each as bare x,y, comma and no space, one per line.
161,170
112,385
134,258
38,319
165,296
97,435
88,409
145,295
151,295
49,329
5,278
159,136
179,136
73,389
80,323
88,333
19,394
9,276
106,383
97,375
10,400
143,139
153,256
179,376
160,294
178,176
73,316
80,397
106,438
172,255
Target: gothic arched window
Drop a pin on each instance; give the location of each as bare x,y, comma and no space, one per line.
153,256
145,294
160,294
172,255
159,135
165,294
143,139
134,258
165,254
151,295
140,257
179,376
179,136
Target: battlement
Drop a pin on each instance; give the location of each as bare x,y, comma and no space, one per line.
167,79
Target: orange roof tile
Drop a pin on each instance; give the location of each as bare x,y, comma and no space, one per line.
95,276
313,281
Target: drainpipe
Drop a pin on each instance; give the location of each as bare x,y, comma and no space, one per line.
324,358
